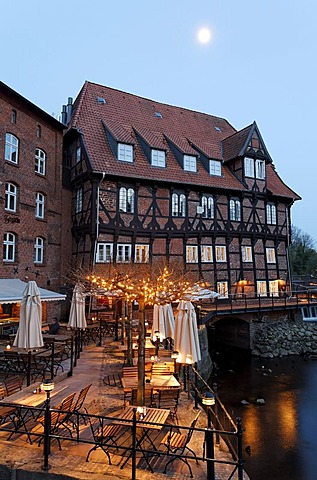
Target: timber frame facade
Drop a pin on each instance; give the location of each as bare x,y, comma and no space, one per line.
152,181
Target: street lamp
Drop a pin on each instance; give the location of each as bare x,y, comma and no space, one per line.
174,356
209,400
48,386
157,341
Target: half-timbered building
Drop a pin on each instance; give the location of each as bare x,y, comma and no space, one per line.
151,180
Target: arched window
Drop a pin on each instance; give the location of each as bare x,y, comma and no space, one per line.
11,193
208,207
39,205
11,148
178,205
39,250
235,210
40,161
126,200
9,241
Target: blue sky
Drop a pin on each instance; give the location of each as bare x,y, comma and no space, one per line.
260,65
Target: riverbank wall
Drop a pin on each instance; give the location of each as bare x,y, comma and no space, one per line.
284,337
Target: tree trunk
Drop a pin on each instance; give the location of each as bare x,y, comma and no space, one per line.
141,353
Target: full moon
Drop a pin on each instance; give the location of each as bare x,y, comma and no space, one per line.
204,35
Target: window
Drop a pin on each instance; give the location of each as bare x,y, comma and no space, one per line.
191,254
207,204
190,163
260,169
123,253
178,205
104,253
11,193
40,161
141,253
79,200
235,210
9,247
158,158
78,154
309,313
273,288
271,214
270,255
39,250
125,152
249,167
222,289
39,205
206,253
11,148
215,168
38,131
221,255
14,116
126,200
246,253
261,288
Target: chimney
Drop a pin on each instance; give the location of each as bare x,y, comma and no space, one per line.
69,109
64,114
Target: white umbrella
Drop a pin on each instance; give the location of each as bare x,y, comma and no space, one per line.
163,321
77,318
29,334
186,341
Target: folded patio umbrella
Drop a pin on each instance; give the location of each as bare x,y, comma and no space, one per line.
186,340
77,316
163,321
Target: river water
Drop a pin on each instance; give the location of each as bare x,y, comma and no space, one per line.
282,433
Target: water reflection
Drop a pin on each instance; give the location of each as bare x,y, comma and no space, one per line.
282,433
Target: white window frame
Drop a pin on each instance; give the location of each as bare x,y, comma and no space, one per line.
142,253
104,253
123,253
178,205
39,205
261,288
206,253
126,200
78,154
248,167
39,250
260,169
309,313
158,158
11,148
9,241
190,163
235,210
271,214
221,253
270,255
191,254
11,194
125,152
79,200
40,161
273,288
207,204
215,168
246,253
222,289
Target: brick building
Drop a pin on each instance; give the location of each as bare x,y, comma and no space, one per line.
30,192
150,180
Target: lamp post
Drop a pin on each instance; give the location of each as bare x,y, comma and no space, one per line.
48,386
174,356
157,341
208,400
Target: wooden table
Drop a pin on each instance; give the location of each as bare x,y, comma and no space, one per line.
156,381
154,419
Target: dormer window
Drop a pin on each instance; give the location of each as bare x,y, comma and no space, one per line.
125,152
158,158
190,163
260,169
215,168
252,166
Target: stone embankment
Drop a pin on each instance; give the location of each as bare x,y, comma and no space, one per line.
285,338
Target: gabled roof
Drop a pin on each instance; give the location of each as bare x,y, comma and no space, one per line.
245,142
128,116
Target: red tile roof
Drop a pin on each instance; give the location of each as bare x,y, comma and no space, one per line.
124,114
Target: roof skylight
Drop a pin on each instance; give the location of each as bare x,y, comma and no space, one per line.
158,115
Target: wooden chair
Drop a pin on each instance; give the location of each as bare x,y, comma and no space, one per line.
130,372
13,384
148,397
105,434
166,368
78,406
168,398
177,442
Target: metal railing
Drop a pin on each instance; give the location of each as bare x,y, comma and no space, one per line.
130,447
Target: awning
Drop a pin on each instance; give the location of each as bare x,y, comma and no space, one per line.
11,291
